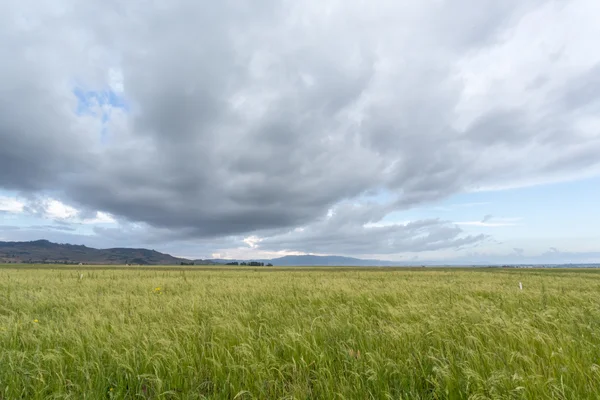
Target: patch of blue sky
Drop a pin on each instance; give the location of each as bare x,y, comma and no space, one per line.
32,222
88,100
544,211
8,193
563,215
99,103
564,201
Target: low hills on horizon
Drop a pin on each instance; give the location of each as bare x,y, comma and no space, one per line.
44,251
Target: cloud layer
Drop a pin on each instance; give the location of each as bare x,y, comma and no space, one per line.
234,119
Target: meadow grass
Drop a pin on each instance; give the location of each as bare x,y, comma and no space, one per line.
425,333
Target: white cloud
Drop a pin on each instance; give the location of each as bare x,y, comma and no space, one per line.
101,218
554,43
56,209
11,205
252,241
115,80
253,253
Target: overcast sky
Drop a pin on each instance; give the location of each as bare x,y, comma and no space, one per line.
429,129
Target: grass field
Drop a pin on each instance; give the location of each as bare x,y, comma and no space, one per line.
97,333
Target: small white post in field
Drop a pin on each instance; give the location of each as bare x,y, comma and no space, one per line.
520,286
80,276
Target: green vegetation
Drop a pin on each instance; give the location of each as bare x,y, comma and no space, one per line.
278,333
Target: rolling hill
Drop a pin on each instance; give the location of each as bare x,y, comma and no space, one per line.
48,252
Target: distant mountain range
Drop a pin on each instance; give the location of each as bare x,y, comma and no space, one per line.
44,251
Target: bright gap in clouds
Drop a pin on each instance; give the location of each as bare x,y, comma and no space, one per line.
11,205
51,209
54,209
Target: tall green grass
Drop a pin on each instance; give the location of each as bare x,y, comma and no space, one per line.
356,334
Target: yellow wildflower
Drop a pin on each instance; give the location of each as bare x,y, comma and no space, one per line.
36,321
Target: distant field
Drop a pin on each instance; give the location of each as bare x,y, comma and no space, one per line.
258,332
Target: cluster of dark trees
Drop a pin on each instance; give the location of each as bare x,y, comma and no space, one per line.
250,264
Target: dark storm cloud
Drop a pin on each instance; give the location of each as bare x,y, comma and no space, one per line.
33,135
258,117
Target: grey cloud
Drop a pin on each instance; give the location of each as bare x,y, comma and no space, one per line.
421,236
508,127
259,117
583,90
537,82
350,230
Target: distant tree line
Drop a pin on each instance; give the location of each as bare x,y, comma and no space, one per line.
53,262
250,264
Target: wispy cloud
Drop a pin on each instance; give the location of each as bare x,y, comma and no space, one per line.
382,224
452,207
492,222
